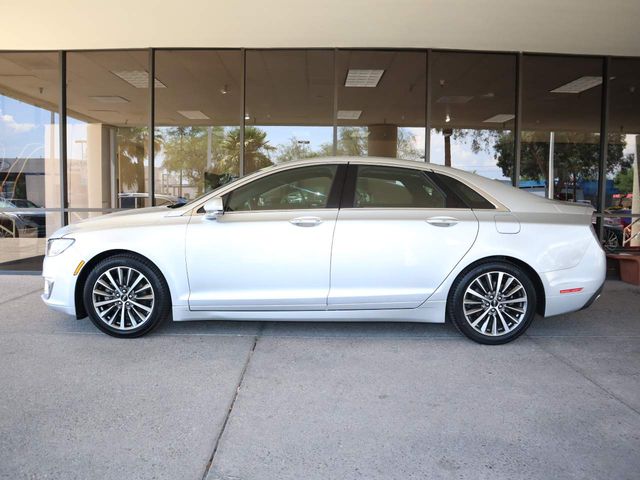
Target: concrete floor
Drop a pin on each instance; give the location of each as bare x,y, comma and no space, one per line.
241,401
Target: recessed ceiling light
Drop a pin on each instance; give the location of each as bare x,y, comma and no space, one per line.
109,99
363,78
247,117
447,118
500,118
578,85
454,99
193,114
349,114
137,78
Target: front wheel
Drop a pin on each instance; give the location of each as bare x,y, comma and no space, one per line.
492,303
126,296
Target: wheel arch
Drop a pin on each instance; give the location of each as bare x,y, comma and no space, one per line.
530,271
86,270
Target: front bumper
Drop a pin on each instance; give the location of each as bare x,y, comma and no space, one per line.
58,271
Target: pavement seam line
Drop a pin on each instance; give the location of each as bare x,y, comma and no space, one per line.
216,444
20,296
587,377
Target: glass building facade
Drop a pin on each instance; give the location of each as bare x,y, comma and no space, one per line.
83,133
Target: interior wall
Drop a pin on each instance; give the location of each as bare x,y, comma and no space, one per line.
570,26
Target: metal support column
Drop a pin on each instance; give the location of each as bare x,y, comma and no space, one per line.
152,130
517,134
335,102
62,130
550,168
604,140
427,109
243,78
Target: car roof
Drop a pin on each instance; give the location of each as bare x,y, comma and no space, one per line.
503,196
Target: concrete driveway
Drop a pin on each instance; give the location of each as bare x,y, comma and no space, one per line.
241,401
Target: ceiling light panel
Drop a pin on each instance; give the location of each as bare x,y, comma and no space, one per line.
193,114
363,78
500,118
578,85
349,114
454,99
137,78
109,99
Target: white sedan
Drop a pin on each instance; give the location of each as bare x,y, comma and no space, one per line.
353,239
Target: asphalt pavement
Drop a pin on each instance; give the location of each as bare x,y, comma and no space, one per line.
301,400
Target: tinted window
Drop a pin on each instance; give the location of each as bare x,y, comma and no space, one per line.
298,188
380,187
470,197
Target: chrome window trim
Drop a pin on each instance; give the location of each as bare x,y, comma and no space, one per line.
272,170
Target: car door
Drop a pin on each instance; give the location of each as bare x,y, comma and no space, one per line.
399,234
271,248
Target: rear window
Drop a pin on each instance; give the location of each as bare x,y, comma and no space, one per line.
468,195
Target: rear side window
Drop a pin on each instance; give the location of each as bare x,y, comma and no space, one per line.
468,195
392,187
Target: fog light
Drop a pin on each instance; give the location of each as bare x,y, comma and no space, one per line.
48,288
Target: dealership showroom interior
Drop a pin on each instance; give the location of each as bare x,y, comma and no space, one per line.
320,239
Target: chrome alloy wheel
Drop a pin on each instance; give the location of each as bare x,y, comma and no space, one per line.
123,298
495,303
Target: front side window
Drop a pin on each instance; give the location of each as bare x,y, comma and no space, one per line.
391,187
296,189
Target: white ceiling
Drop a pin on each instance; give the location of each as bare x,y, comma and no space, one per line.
567,26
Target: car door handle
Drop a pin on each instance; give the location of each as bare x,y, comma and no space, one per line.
442,221
306,221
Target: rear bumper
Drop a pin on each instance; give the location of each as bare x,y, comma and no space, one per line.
594,297
588,276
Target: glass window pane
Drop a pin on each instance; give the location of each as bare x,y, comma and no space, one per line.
623,172
561,120
107,132
289,106
197,122
473,112
29,156
469,196
381,103
299,188
384,187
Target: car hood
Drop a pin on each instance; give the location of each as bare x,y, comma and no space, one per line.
125,218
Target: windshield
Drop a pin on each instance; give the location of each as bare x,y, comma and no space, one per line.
18,203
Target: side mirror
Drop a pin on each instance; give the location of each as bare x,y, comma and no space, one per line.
213,208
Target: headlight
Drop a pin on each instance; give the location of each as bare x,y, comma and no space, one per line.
55,246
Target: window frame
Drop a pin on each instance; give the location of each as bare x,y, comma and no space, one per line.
333,200
349,190
434,176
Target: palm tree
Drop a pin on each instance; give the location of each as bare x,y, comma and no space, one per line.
132,151
256,150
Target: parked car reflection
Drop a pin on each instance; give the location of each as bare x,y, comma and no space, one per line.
19,223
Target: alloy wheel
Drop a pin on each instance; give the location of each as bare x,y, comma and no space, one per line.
611,242
123,298
495,303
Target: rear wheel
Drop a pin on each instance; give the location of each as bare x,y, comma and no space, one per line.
493,303
126,296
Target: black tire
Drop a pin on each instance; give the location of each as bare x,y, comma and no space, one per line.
160,307
516,321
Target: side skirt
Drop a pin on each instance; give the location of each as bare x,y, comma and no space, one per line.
429,312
